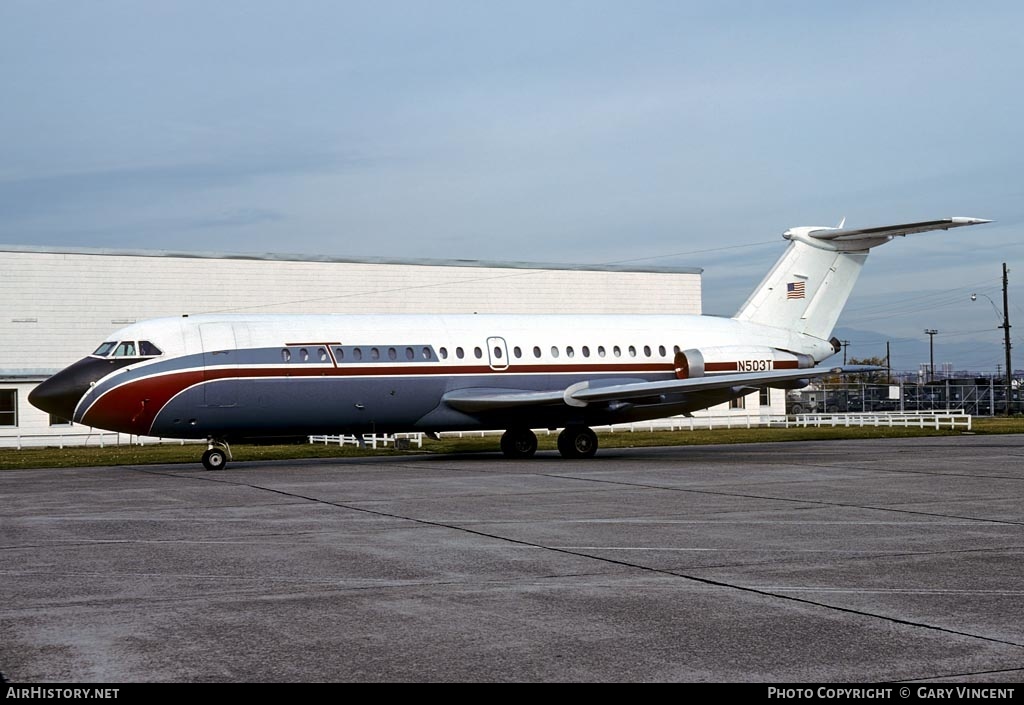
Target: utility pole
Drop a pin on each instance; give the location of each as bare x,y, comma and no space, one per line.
931,347
846,344
888,364
1005,313
1006,338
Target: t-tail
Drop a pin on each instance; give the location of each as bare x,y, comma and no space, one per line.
807,288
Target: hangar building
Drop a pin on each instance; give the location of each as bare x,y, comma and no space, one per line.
58,304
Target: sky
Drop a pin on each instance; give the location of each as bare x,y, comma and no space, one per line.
578,132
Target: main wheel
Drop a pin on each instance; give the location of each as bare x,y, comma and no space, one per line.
215,459
518,443
577,442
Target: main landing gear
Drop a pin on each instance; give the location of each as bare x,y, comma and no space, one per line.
518,443
573,442
577,442
217,455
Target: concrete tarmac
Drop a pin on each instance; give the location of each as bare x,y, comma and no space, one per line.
881,560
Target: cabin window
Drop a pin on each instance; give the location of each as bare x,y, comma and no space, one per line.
410,354
444,353
8,407
536,351
374,353
497,352
647,351
661,350
517,351
586,351
478,353
569,352
321,353
286,355
357,354
676,350
617,351
632,351
147,349
554,351
600,351
304,354
104,350
426,353
460,353
392,354
339,353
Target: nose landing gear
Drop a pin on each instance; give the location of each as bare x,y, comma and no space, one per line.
217,455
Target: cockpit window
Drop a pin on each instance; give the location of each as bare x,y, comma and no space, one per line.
125,348
128,348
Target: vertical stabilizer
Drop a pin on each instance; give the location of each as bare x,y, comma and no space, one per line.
808,287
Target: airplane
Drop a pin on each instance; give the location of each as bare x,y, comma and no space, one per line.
228,378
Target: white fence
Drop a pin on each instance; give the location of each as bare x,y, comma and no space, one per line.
81,439
937,420
922,419
953,421
371,440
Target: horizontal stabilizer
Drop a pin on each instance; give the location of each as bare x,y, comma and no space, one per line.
844,235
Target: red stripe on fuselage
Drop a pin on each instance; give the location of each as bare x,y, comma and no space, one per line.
133,406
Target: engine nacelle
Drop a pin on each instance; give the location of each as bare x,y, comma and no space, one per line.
737,358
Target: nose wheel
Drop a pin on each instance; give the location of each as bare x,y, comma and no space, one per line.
217,455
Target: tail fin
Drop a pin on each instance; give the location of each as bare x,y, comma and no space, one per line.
808,287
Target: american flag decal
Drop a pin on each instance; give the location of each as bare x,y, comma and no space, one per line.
795,290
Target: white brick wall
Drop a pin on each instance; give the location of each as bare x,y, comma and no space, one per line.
56,308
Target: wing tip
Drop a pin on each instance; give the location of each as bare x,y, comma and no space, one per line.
961,220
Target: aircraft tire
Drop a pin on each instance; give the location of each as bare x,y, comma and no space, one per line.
215,459
577,442
518,443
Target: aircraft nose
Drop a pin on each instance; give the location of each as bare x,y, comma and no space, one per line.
60,394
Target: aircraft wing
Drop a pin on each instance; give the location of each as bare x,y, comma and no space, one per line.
583,393
485,399
894,230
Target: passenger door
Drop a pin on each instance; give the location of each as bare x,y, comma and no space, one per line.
497,353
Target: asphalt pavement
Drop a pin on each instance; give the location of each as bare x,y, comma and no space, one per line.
880,560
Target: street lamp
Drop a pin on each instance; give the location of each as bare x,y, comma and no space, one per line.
931,350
